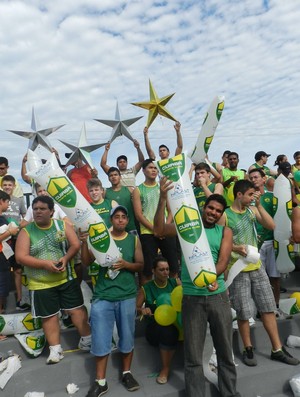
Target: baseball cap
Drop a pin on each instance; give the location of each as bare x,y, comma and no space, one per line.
260,154
118,208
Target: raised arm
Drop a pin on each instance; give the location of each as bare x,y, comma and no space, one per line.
25,177
149,149
161,228
179,138
141,158
103,162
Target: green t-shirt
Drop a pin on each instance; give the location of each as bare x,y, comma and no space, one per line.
103,209
123,197
149,196
152,291
200,195
264,234
227,173
123,286
214,237
243,229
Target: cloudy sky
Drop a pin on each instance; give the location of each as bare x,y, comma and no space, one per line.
73,59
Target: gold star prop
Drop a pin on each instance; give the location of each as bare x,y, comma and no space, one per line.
155,106
39,136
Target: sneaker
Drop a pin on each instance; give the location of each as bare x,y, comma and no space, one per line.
22,306
56,354
85,343
97,390
248,357
284,356
129,382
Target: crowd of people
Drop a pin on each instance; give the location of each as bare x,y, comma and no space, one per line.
236,208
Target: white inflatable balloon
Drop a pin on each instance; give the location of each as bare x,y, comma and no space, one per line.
64,193
282,200
207,131
187,219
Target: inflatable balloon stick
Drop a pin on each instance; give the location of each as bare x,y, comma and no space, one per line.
64,193
187,219
207,131
282,203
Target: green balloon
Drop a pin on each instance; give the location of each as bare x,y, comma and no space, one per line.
163,299
297,176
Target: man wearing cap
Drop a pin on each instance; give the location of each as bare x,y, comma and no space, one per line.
261,159
114,300
163,150
127,174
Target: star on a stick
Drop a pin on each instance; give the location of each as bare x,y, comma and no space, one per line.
82,150
155,105
39,136
120,127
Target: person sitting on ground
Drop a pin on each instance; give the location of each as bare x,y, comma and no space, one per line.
127,174
165,337
164,151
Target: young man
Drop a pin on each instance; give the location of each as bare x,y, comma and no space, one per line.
203,185
122,195
265,236
252,282
145,199
15,213
101,205
202,305
230,175
18,192
261,159
163,150
114,300
127,174
5,263
46,247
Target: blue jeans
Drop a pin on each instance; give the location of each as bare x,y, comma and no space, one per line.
103,316
196,312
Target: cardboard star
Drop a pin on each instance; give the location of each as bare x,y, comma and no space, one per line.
155,105
82,150
39,136
120,127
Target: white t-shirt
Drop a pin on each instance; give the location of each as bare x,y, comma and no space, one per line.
58,213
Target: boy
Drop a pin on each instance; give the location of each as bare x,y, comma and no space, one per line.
15,212
11,230
102,206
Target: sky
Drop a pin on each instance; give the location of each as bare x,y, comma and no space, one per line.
74,59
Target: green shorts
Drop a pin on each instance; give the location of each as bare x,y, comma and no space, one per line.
48,302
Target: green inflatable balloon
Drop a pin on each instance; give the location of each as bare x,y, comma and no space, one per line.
176,298
163,299
165,315
297,176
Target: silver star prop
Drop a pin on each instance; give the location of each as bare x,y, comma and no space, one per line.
39,136
120,127
82,150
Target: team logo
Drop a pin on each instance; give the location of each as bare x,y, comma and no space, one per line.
172,168
219,110
188,224
99,237
207,143
61,190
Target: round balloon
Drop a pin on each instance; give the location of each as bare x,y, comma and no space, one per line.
297,176
163,299
296,295
165,315
176,298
